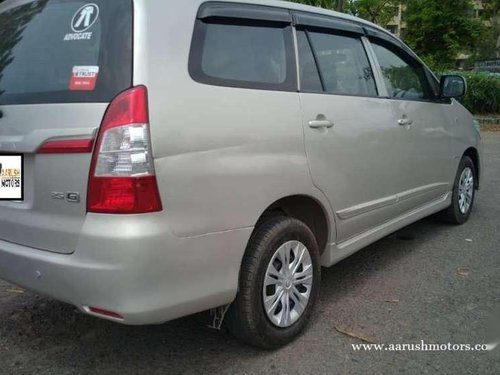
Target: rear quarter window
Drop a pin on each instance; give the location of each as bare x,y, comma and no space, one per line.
246,54
65,51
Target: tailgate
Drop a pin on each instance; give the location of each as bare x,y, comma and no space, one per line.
61,63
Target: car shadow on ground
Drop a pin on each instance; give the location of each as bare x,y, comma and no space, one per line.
50,329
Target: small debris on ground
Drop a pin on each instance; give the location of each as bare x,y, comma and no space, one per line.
392,301
354,335
462,271
15,291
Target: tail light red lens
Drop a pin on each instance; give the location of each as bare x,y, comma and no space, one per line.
124,195
122,177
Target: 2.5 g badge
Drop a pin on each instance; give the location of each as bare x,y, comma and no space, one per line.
11,177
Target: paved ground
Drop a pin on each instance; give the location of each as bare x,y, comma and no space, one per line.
443,282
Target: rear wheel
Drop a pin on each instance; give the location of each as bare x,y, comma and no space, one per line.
464,192
279,284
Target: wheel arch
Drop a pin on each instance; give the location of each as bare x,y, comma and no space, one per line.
473,153
306,209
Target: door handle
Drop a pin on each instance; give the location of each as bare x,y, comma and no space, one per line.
320,124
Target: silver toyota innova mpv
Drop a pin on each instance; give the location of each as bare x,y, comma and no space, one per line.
185,156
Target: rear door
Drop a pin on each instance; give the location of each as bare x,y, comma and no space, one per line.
61,63
353,146
421,117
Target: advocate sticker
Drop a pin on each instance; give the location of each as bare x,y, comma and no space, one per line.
11,178
83,20
84,78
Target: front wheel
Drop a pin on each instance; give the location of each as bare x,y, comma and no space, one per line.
279,284
464,192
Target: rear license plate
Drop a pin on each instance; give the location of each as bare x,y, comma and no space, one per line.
11,177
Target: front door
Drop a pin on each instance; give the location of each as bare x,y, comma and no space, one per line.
428,170
354,148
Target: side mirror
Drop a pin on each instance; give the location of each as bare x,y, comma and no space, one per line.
453,86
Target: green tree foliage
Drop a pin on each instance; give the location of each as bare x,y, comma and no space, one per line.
440,30
488,46
338,5
492,7
380,12
483,93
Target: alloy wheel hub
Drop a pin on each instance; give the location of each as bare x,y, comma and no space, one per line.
466,190
287,284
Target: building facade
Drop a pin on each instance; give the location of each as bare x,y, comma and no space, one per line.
397,25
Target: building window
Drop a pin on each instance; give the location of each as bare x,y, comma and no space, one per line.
393,29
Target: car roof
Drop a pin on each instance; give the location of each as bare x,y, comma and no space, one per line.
305,8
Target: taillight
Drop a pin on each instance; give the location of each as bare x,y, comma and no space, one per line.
122,177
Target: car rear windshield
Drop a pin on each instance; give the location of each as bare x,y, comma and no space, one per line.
65,51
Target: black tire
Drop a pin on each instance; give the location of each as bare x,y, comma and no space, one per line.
246,318
453,214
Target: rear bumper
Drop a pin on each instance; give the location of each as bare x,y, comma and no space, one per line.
135,267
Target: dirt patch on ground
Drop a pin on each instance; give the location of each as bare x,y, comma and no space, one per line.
489,123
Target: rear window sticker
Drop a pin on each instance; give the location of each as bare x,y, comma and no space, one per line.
83,20
78,36
84,78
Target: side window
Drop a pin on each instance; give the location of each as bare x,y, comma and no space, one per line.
404,78
344,65
243,55
310,80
